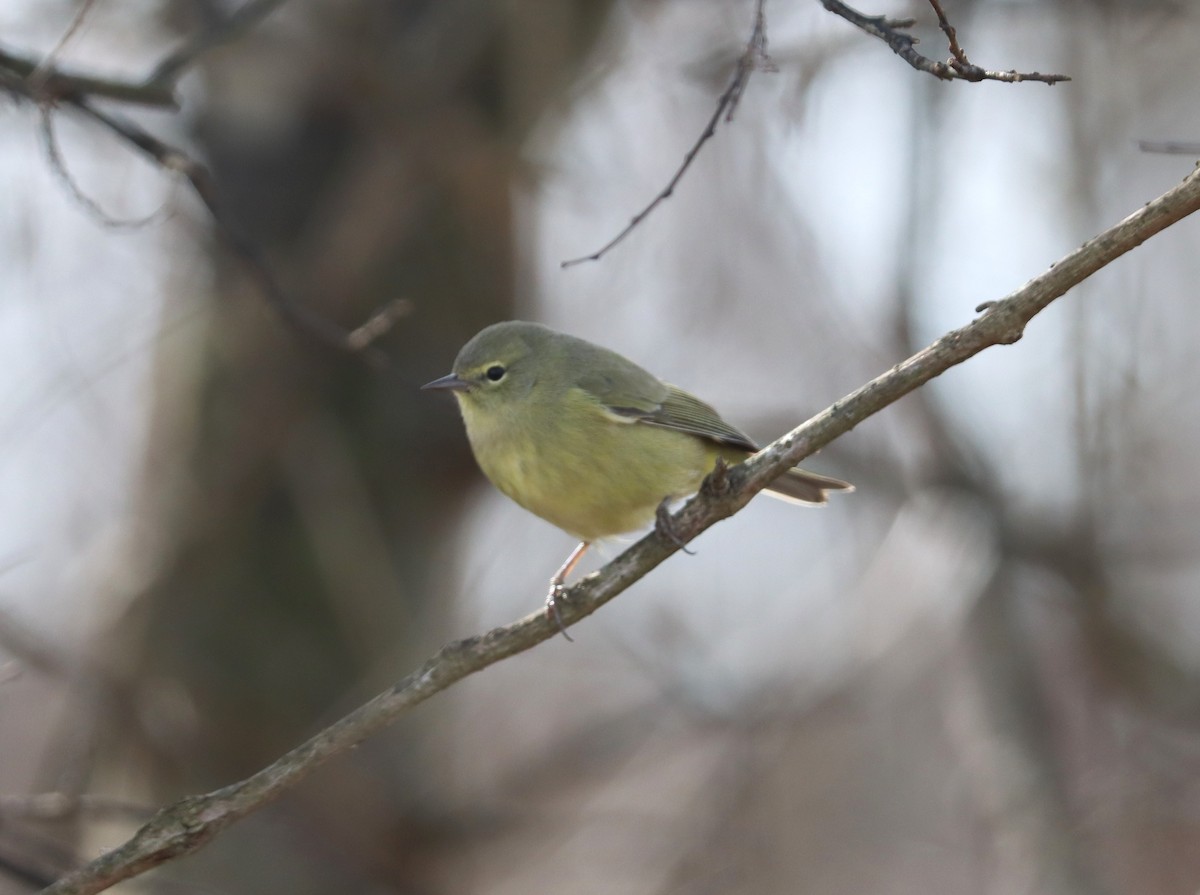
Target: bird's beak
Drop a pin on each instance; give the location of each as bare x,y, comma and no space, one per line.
450,382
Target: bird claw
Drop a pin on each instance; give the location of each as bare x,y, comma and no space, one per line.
552,610
666,527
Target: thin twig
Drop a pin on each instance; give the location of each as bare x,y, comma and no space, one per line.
46,81
38,77
50,88
956,51
173,159
192,822
1170,147
60,83
891,32
379,323
91,206
754,56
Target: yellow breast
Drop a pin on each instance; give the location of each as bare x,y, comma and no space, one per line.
597,477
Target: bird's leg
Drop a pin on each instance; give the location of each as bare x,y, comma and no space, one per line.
665,527
556,587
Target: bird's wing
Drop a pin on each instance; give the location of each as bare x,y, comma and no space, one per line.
617,384
679,410
631,394
687,413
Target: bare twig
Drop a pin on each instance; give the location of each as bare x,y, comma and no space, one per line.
36,83
956,51
188,824
1170,147
754,57
891,32
379,323
173,159
49,88
60,83
59,166
46,66
47,82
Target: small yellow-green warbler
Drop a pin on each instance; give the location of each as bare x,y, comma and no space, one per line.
589,440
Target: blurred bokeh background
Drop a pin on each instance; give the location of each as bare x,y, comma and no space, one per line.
979,673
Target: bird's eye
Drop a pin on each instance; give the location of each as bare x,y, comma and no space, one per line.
495,373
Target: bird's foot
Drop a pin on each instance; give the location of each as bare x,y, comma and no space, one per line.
552,611
666,527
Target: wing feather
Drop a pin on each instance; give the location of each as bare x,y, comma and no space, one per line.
632,394
687,413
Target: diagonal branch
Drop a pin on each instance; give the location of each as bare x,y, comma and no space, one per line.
892,32
48,81
60,83
753,57
188,824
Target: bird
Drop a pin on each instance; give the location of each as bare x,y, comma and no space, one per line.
588,440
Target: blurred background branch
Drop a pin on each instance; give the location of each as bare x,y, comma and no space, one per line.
191,823
977,676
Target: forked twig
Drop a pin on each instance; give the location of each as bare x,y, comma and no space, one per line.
892,32
960,56
50,89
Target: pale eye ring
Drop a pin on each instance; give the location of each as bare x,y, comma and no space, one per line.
495,372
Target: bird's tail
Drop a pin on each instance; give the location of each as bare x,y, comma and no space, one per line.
800,486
